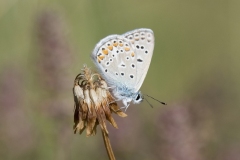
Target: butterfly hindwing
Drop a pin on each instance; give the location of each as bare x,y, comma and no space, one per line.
115,58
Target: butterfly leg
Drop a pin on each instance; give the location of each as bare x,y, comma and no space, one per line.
126,107
126,103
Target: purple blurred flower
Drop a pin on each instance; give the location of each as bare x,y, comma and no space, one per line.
180,141
55,58
16,132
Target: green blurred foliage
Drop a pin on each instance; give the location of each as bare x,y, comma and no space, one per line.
195,61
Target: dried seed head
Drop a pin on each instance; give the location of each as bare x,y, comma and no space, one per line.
94,103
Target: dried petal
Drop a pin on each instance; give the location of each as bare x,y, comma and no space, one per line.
91,122
105,106
87,99
78,92
94,98
114,107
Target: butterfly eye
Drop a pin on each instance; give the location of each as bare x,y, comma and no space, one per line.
122,74
137,46
127,58
131,76
138,97
106,70
142,47
146,52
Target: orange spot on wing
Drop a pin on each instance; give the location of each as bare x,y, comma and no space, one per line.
115,44
132,54
110,47
120,44
101,57
99,60
105,52
127,48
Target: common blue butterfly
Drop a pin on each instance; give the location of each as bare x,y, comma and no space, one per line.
123,61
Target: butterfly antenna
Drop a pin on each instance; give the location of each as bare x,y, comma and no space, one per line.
156,100
148,102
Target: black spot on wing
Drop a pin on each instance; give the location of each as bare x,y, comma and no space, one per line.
139,60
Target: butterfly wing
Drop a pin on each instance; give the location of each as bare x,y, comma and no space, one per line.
143,44
115,58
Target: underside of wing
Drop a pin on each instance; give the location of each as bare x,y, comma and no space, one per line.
115,58
143,44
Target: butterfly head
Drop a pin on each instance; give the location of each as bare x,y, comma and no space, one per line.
139,98
135,98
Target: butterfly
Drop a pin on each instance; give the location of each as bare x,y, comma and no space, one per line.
123,61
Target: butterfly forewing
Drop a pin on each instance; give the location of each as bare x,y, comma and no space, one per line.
143,44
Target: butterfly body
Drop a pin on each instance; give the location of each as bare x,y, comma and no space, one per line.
123,61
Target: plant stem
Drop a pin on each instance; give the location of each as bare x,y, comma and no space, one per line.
108,146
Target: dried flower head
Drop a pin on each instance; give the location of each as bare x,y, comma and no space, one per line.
94,103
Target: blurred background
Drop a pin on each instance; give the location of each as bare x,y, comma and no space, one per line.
195,70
